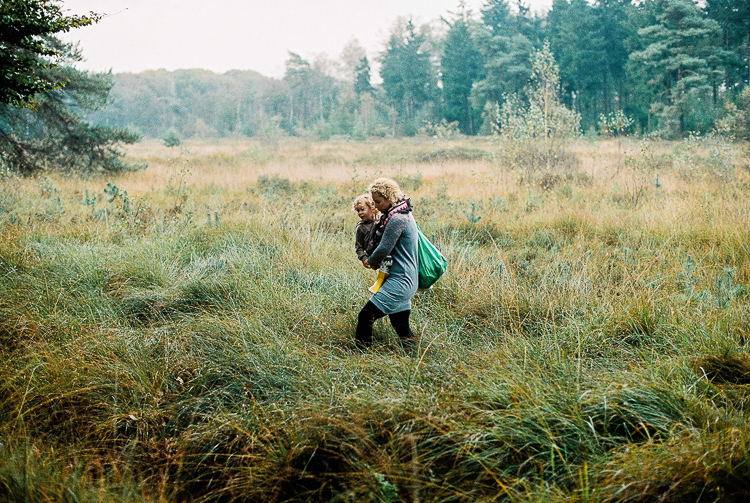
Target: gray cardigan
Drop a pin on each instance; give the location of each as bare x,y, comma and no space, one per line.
400,242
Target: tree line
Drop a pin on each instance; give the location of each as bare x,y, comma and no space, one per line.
666,68
672,66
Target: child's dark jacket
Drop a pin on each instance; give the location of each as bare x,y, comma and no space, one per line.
364,238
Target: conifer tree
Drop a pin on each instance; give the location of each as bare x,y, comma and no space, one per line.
26,48
362,77
577,40
54,135
613,21
506,56
408,76
681,59
734,18
496,16
460,66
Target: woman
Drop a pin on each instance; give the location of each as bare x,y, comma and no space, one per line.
398,238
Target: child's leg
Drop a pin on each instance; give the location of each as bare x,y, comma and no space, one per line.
375,288
383,272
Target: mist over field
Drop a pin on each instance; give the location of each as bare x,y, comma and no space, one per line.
673,68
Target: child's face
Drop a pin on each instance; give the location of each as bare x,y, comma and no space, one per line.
366,214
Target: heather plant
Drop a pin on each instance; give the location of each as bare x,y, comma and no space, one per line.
576,348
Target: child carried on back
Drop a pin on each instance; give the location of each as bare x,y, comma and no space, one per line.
367,237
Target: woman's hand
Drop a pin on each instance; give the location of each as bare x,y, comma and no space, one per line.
366,263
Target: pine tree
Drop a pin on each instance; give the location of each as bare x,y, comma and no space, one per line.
680,59
640,93
613,21
577,39
506,55
408,77
54,134
589,45
362,77
460,66
496,16
507,67
734,18
530,25
26,49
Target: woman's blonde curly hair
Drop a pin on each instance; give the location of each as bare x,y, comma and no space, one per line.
387,188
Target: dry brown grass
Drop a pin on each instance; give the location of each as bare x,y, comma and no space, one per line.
223,163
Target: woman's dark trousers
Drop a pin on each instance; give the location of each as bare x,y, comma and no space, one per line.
370,313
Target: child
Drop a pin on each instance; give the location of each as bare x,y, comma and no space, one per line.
364,232
366,237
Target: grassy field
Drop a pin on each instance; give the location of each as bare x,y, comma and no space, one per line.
185,332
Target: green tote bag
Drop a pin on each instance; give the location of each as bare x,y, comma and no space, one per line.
432,263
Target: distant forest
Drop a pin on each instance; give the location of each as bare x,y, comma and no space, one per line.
672,66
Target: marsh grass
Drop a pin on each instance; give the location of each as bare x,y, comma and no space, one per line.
588,342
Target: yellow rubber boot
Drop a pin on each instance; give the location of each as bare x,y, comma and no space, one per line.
378,282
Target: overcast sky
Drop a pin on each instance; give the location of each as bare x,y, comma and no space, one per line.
221,35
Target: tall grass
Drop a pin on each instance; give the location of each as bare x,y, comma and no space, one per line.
194,342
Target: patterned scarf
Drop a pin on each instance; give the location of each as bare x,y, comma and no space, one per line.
403,206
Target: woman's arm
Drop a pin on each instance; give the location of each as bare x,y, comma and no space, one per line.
394,229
